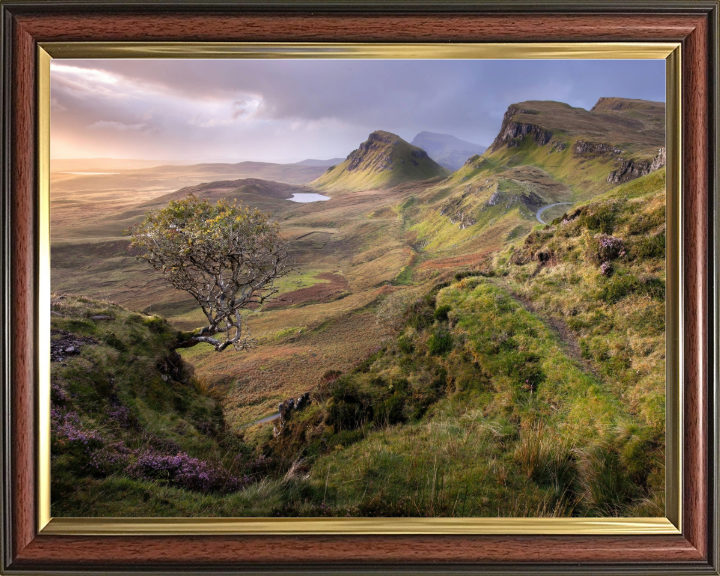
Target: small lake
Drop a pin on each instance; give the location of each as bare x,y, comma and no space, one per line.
308,197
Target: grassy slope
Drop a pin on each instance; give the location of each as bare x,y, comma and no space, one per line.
484,403
509,183
489,404
356,236
122,394
387,162
635,128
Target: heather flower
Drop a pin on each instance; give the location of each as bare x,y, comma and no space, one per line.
186,472
68,431
606,269
122,415
57,394
609,247
109,459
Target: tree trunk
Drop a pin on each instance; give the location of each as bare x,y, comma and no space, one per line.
190,338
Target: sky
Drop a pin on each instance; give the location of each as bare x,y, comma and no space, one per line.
291,110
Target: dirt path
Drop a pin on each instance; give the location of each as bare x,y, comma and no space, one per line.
572,346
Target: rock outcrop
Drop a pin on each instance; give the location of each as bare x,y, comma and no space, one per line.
631,169
63,344
286,407
374,154
659,160
512,133
582,148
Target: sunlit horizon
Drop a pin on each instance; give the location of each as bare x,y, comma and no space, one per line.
286,111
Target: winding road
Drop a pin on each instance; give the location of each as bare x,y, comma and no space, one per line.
263,420
539,212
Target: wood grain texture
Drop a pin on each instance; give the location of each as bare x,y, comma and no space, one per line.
45,552
259,550
22,292
353,28
696,189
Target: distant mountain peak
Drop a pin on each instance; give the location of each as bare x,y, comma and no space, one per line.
382,161
314,162
447,150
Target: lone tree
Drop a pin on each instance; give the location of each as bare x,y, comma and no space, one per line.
226,255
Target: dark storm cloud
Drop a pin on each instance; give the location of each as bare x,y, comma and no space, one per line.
293,109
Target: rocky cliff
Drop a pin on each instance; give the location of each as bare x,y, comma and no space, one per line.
631,169
512,132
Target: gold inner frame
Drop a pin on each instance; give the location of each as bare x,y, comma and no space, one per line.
671,524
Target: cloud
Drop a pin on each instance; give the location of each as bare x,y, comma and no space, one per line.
117,125
245,108
89,75
278,110
212,123
55,105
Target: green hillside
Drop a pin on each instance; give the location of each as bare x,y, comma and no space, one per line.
530,384
384,160
583,148
533,386
545,153
134,432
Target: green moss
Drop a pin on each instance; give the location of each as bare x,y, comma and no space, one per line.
649,247
440,342
441,312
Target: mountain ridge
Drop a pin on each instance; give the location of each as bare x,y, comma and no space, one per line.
384,160
611,120
545,152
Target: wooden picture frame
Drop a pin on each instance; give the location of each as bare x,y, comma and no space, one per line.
29,548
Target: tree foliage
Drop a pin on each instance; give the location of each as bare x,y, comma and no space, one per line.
226,255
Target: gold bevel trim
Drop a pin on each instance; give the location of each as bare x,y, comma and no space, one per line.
43,288
431,51
674,292
498,526
388,526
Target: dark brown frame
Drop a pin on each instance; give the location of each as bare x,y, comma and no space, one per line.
25,23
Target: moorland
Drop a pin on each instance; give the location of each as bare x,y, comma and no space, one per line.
480,341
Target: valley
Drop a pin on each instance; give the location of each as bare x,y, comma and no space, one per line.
453,328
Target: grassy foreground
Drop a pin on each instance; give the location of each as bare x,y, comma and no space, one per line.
530,385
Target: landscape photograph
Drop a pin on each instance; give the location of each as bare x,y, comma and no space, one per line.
358,288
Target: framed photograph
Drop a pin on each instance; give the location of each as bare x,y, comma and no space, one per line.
369,288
